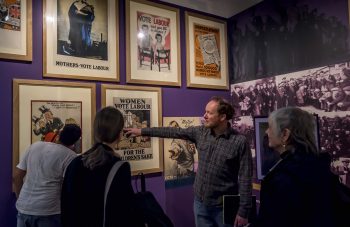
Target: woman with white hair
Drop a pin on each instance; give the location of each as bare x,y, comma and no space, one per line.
297,190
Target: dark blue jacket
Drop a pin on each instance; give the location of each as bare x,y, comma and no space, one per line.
297,192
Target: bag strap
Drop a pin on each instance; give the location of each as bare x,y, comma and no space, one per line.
110,177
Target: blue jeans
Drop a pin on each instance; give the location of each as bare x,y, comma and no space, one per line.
25,220
208,216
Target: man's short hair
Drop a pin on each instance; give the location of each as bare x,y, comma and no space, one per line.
70,134
224,107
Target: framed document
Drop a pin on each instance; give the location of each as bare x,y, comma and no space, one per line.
81,39
16,30
153,43
141,107
206,46
42,107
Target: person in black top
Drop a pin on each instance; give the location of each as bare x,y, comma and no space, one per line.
82,201
297,190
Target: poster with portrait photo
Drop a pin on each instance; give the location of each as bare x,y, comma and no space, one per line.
16,29
153,42
80,39
153,47
180,156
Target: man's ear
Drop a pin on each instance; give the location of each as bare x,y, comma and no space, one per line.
222,117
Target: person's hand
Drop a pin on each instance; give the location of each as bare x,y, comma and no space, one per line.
132,132
240,222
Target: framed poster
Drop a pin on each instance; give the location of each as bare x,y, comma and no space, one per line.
153,43
42,107
180,156
206,51
81,39
141,107
16,29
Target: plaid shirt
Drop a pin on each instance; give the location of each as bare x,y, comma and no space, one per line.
225,163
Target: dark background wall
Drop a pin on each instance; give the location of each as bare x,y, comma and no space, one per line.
176,102
281,36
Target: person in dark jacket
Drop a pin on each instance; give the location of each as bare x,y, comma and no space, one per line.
296,192
84,183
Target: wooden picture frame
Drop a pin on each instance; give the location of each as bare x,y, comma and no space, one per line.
16,31
206,52
67,101
141,107
76,50
153,44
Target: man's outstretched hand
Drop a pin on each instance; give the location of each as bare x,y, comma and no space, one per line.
132,132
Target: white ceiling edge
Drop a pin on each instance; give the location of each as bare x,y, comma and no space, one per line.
222,8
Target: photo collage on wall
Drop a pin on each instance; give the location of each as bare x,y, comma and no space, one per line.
324,91
180,156
288,36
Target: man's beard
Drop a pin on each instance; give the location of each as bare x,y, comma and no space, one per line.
210,125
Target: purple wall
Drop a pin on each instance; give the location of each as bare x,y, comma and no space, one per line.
176,102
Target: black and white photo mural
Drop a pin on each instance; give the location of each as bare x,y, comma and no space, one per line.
276,37
324,91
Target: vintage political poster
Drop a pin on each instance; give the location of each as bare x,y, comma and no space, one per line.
180,156
141,108
136,113
153,46
80,39
16,29
206,49
206,52
153,42
51,116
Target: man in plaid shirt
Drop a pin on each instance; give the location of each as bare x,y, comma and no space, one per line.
224,163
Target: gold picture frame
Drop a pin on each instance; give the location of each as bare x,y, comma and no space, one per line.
141,107
206,51
76,50
31,98
16,31
153,44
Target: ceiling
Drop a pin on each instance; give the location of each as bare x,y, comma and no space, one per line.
223,8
